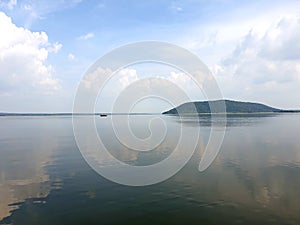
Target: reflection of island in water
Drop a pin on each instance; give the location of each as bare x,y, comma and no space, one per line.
228,120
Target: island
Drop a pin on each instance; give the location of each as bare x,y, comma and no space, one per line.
203,107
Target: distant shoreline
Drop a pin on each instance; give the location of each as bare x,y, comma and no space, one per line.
228,107
73,114
142,114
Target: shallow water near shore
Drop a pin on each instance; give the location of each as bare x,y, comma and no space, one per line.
254,180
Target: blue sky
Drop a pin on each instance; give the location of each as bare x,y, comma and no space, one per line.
252,47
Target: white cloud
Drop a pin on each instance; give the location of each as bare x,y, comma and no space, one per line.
27,7
11,4
127,76
96,83
110,90
43,7
265,64
121,79
8,4
175,7
178,78
71,56
55,47
216,37
87,36
93,81
186,84
36,10
23,56
282,41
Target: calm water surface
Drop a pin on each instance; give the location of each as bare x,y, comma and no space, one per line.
255,179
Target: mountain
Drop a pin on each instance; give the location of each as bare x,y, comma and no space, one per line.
231,107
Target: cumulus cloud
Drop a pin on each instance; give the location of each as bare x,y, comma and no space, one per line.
71,56
96,81
183,81
55,47
23,56
11,4
187,85
8,4
127,76
282,41
141,84
262,65
87,36
42,8
92,82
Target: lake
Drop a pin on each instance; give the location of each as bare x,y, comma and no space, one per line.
255,178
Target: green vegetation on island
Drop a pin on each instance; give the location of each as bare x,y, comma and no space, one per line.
231,107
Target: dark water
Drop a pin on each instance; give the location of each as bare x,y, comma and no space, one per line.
254,180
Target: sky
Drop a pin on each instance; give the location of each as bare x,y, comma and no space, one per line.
46,46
